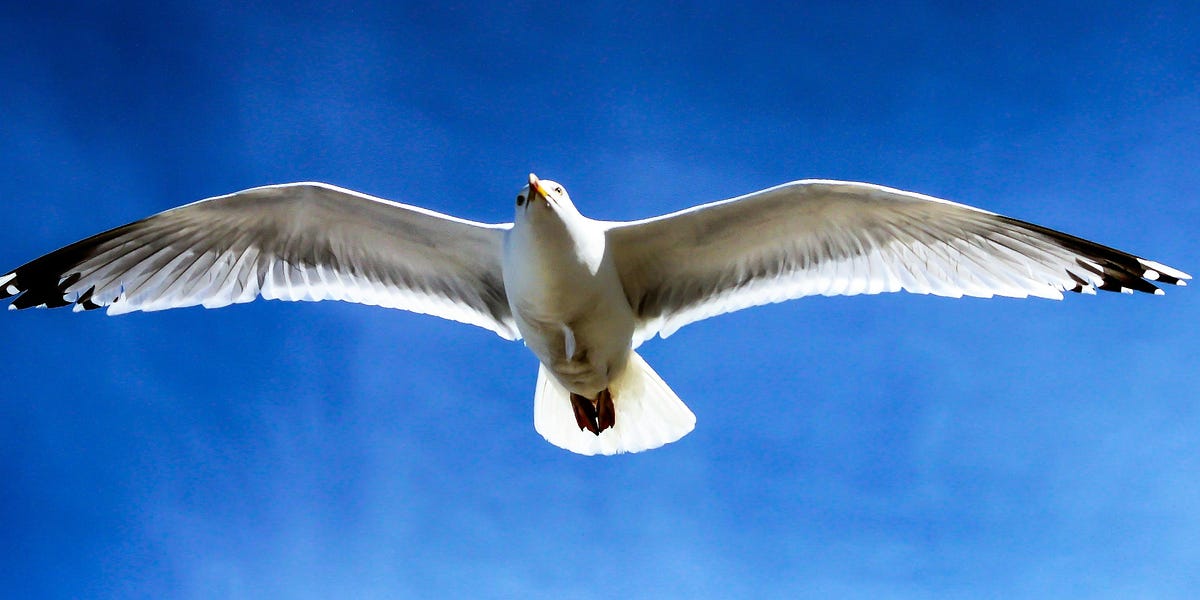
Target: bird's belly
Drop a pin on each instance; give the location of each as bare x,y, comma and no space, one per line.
584,352
569,304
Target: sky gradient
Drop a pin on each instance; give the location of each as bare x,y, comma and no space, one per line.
892,446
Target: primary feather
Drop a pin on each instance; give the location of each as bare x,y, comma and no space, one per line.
840,238
300,241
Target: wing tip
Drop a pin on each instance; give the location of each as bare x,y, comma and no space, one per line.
1160,273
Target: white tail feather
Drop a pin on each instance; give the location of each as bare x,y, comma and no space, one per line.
648,413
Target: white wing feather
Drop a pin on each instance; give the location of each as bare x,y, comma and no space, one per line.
300,241
841,238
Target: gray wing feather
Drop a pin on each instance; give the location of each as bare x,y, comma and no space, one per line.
841,238
301,241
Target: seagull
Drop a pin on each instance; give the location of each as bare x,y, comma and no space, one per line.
582,294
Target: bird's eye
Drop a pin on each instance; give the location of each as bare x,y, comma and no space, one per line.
558,190
520,199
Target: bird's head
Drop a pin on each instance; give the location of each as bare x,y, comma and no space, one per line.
542,195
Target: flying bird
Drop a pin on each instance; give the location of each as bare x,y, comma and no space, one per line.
583,294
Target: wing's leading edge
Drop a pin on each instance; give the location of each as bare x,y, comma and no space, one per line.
300,241
819,237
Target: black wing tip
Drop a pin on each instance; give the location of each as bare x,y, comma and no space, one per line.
1160,273
36,296
1116,271
43,282
9,286
84,301
1108,269
44,292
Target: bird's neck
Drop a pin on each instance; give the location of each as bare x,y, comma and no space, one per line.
559,246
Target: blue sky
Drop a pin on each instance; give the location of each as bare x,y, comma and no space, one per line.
890,446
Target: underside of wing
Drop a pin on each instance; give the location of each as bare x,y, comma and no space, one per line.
303,241
842,238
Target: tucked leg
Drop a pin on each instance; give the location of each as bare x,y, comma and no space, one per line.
606,414
585,413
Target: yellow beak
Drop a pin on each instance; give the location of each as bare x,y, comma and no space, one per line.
535,186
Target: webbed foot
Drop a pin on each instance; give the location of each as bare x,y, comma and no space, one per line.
606,414
594,415
585,413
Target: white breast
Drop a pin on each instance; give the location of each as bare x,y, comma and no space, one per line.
567,299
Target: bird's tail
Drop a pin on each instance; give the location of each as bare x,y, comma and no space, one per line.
648,413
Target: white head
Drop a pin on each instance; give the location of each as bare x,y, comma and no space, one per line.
543,195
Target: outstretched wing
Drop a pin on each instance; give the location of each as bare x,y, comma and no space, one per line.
300,241
842,238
